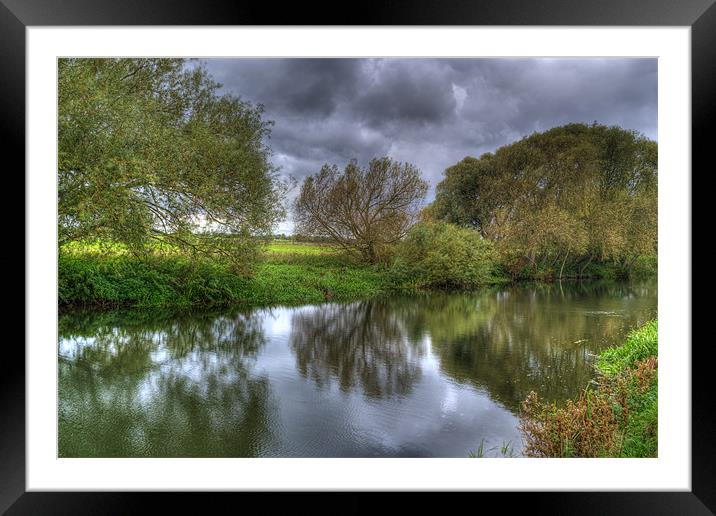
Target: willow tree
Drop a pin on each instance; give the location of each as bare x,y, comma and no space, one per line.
363,210
563,198
150,151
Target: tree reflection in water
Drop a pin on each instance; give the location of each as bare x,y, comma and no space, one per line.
507,341
537,337
417,375
147,384
358,345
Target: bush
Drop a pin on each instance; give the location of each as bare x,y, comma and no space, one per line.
585,427
442,255
645,267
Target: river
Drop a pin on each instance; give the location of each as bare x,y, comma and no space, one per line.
424,375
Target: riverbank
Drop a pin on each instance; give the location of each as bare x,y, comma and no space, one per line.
618,417
291,273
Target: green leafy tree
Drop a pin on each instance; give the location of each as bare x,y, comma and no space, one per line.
559,200
150,151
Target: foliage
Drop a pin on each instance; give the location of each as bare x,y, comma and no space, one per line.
479,453
640,344
560,200
438,254
102,280
108,275
148,150
645,267
617,419
641,438
585,427
363,210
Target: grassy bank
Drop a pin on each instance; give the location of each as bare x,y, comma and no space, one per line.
616,418
292,273
108,275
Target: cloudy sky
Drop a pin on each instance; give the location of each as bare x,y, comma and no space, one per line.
431,112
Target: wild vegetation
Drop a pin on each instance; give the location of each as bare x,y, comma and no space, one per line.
442,255
617,418
111,276
556,202
150,152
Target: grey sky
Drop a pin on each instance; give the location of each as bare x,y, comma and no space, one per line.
431,112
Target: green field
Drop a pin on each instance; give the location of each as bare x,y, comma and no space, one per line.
100,274
283,247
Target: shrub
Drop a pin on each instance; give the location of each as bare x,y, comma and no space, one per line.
644,267
585,427
442,255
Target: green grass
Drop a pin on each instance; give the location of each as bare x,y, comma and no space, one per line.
96,274
280,248
640,344
641,432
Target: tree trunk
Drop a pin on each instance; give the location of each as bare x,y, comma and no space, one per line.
581,270
562,267
370,253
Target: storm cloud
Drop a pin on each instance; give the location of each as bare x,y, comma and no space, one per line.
431,112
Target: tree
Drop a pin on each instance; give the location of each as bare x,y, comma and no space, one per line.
149,151
560,199
468,194
364,210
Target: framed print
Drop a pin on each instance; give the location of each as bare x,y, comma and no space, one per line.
423,251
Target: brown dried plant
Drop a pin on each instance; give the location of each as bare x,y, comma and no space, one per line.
590,426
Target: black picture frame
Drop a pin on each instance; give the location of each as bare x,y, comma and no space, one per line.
16,15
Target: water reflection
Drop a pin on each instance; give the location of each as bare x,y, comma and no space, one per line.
541,338
419,375
161,385
360,345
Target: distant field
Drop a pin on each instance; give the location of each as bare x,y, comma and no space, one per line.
310,248
275,247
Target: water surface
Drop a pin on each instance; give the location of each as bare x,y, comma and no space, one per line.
428,375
